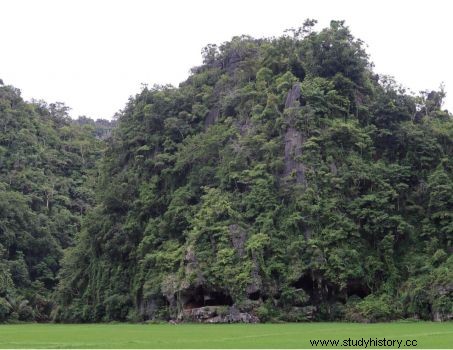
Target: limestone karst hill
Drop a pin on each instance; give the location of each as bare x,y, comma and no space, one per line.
283,180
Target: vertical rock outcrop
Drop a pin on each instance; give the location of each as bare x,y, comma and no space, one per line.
293,139
292,99
238,238
212,117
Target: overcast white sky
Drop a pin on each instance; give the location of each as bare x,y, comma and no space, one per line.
92,55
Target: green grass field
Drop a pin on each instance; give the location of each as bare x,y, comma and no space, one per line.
290,335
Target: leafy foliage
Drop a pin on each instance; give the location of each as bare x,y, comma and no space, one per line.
47,168
283,177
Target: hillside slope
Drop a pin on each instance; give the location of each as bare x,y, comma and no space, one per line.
47,172
283,180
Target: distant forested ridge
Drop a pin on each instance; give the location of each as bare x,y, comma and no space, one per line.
102,128
283,180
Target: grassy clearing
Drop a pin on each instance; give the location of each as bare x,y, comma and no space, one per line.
290,335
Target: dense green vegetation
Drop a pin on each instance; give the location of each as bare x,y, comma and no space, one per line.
283,180
101,128
47,167
428,335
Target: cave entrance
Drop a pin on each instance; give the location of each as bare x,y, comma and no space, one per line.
306,283
354,287
200,297
217,298
255,295
194,299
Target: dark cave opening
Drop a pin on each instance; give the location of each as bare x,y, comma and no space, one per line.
357,288
217,298
194,298
200,297
306,283
255,295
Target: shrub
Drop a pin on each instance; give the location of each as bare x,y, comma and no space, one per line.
117,307
373,308
5,309
263,313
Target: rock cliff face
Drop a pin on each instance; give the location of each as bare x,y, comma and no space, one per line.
294,168
212,117
444,292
